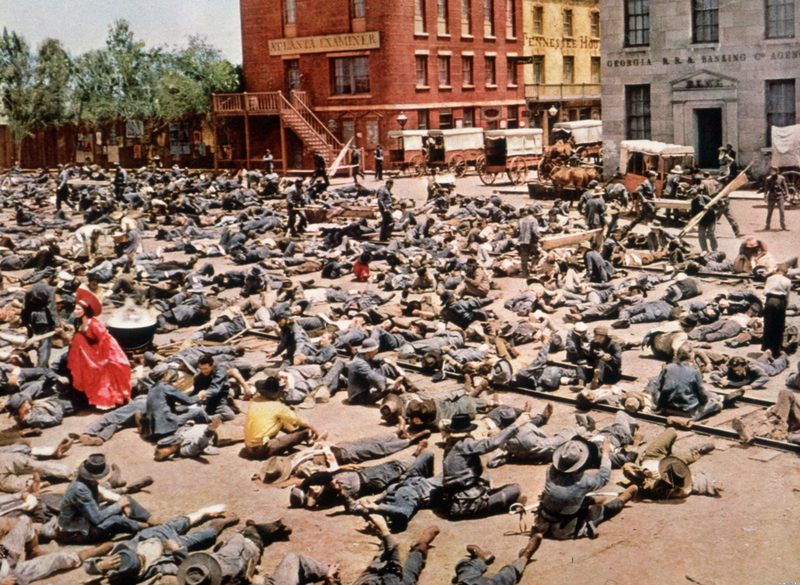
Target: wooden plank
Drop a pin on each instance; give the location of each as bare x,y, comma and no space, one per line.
340,158
680,204
553,242
729,188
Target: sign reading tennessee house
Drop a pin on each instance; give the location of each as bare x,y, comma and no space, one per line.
323,44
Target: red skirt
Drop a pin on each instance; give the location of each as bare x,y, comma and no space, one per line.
99,367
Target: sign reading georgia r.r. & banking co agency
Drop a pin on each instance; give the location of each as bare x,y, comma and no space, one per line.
685,58
323,44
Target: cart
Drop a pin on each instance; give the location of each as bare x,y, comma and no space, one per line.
587,135
513,152
453,150
407,156
638,157
786,156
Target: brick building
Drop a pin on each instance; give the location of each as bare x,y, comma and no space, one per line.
562,47
359,64
703,73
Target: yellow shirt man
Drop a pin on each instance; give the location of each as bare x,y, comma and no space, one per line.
266,418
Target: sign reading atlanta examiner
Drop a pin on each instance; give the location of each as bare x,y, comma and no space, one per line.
346,42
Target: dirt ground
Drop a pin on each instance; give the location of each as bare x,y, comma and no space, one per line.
748,536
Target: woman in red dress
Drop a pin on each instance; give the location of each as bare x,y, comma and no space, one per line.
99,367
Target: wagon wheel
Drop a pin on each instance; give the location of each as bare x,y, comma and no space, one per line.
457,165
517,170
416,166
793,184
486,177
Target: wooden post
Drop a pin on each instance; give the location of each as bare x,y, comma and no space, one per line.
284,154
246,132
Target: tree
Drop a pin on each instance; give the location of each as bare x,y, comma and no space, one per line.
33,90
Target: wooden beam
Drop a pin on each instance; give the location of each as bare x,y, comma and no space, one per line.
552,242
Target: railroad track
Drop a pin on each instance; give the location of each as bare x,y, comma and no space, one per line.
703,428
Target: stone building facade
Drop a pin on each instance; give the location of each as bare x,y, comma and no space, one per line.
563,63
702,73
361,63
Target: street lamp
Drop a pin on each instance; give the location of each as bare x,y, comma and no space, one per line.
402,119
552,111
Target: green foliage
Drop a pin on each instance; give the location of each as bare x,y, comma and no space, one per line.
33,90
125,79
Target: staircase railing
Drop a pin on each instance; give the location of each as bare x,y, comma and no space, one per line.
315,123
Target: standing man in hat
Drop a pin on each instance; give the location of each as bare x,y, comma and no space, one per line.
269,162
385,207
320,169
466,492
562,514
40,316
62,191
83,519
775,192
607,357
378,154
355,162
707,224
727,164
776,290
595,209
367,381
120,181
670,190
528,241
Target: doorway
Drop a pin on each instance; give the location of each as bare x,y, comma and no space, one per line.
291,68
708,137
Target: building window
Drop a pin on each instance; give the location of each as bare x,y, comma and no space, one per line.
705,21
491,71
469,118
350,75
422,70
538,69
780,105
568,23
595,65
595,25
569,70
420,26
422,119
441,12
445,119
538,20
466,18
468,79
290,11
359,8
511,72
444,71
511,19
637,23
513,117
780,19
488,18
637,109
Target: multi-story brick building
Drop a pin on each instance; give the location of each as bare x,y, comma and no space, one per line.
359,64
562,49
703,73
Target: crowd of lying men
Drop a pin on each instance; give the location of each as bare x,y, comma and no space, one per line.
438,268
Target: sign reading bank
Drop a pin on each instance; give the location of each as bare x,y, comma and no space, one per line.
323,44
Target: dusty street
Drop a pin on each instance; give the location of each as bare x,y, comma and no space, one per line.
748,536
